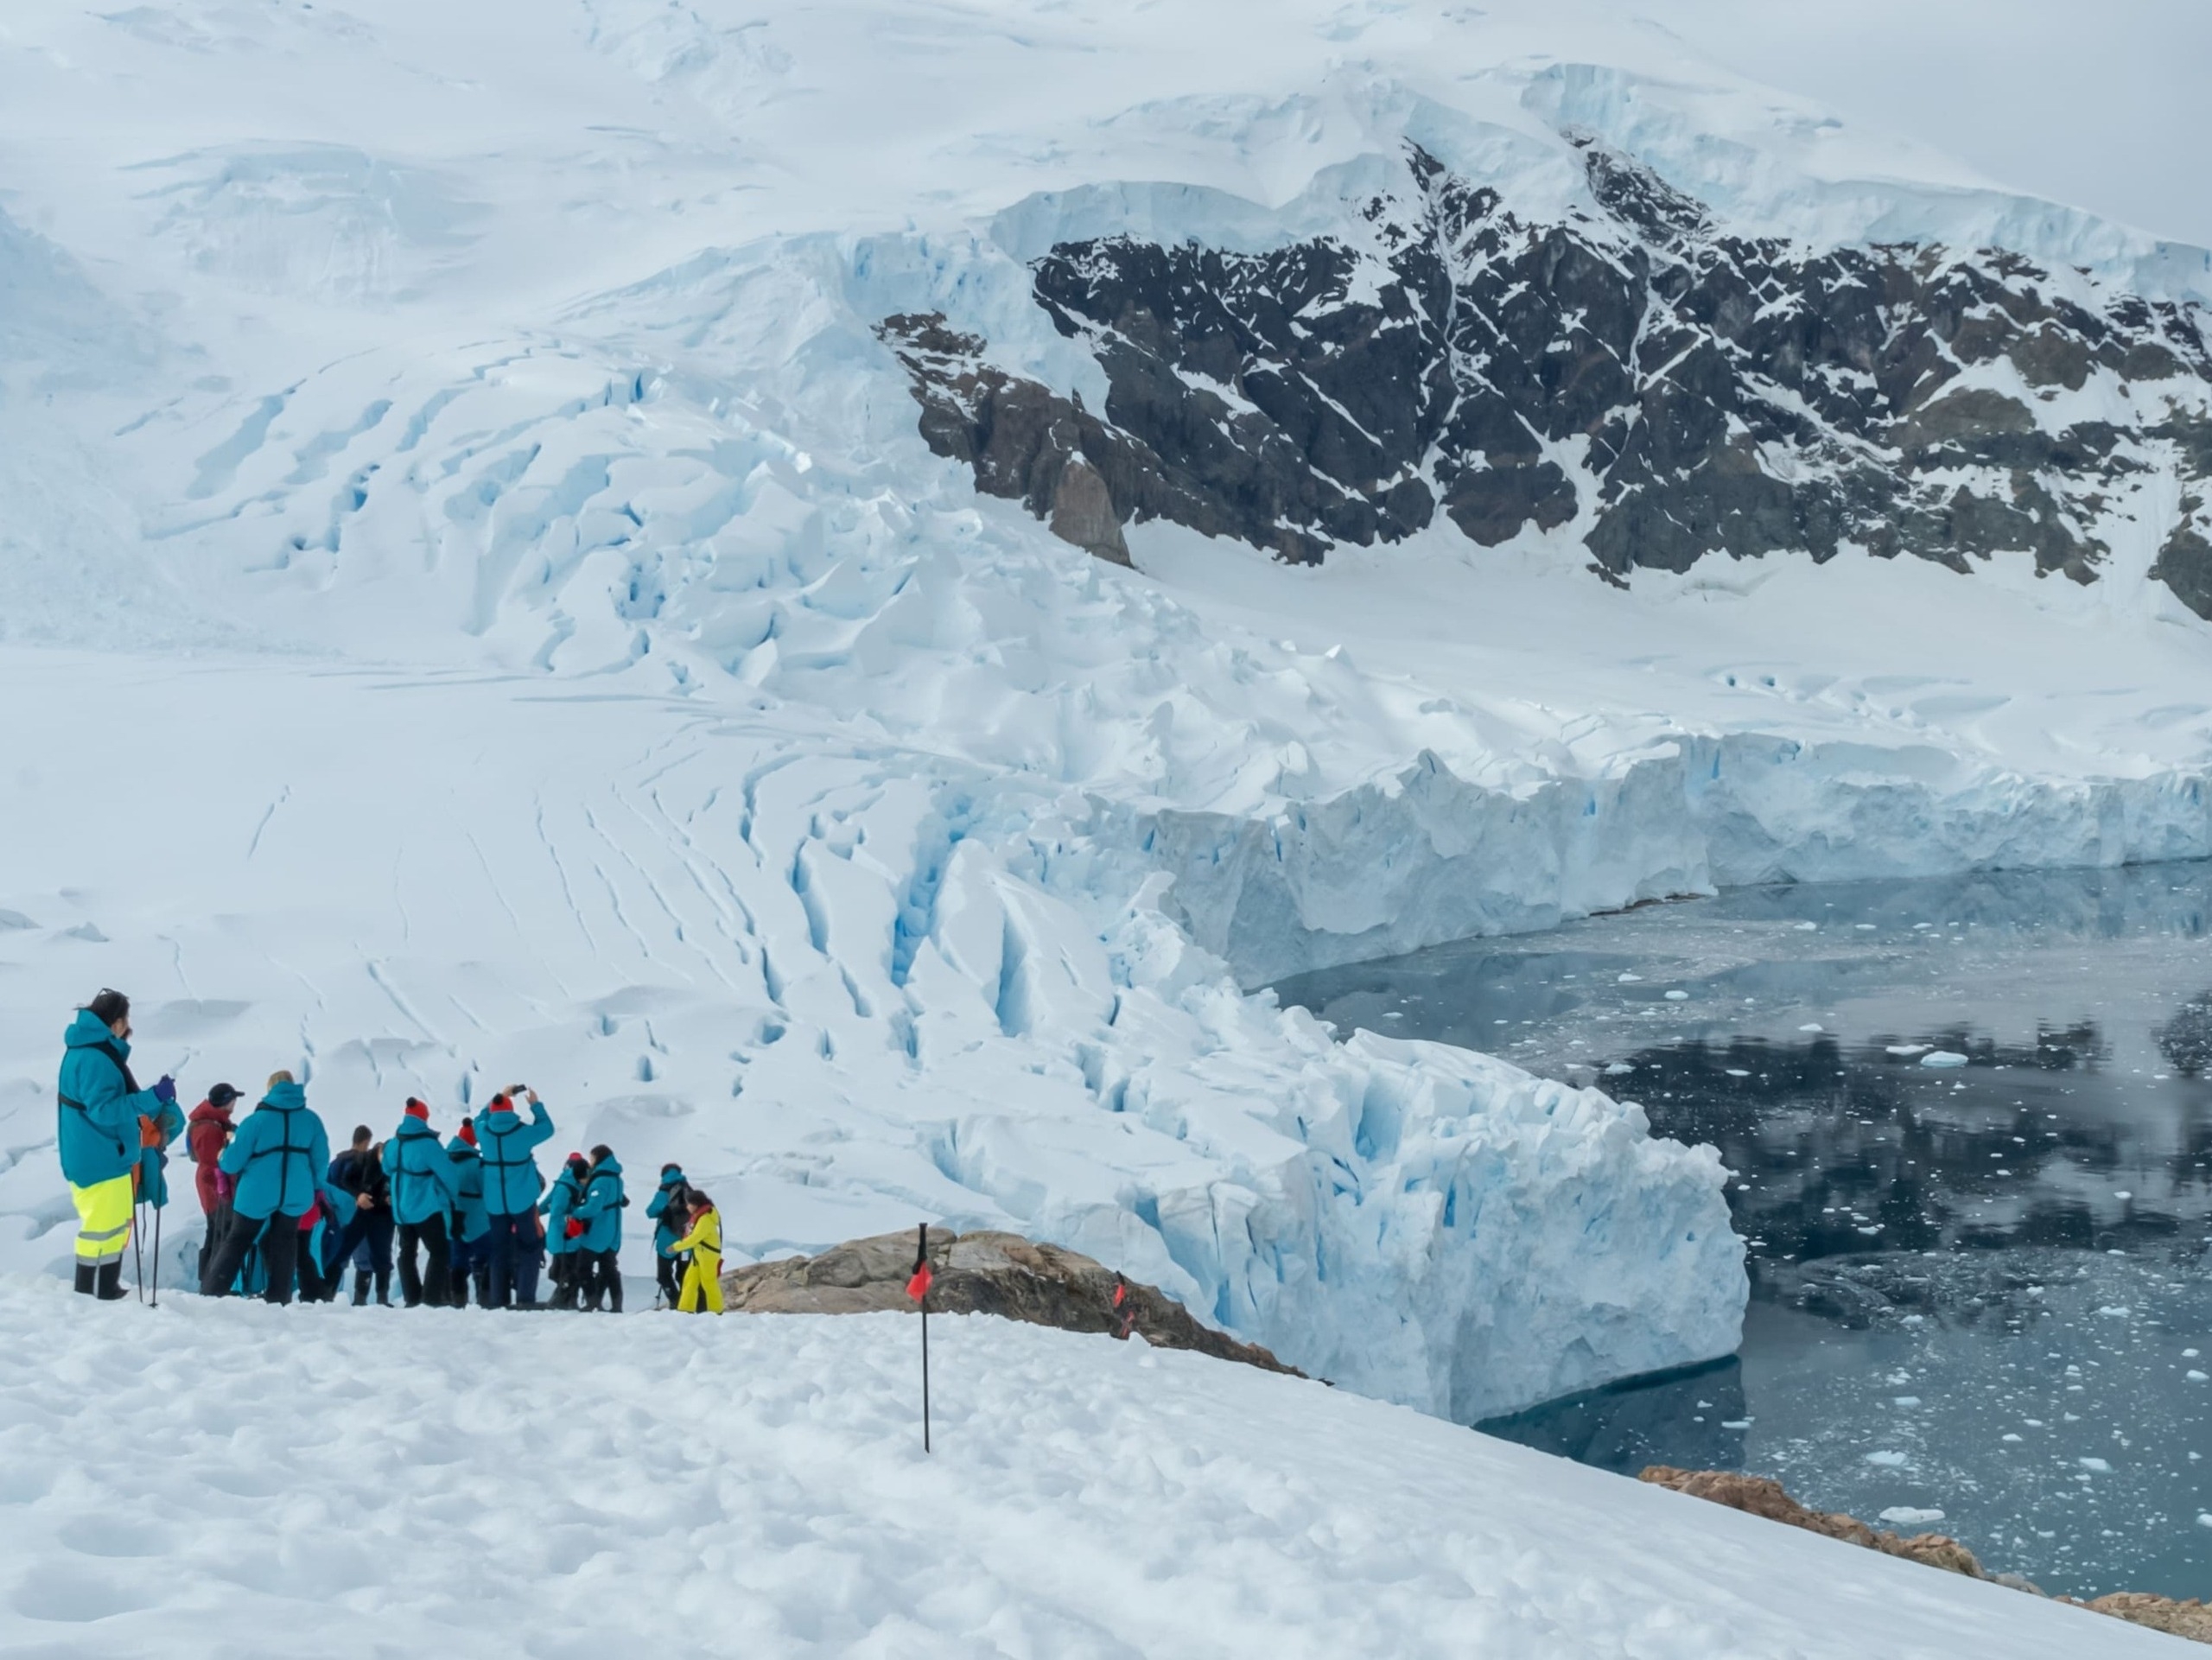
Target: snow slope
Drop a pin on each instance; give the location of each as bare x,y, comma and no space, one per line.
476,604
234,1480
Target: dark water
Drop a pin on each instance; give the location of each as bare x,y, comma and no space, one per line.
1979,1287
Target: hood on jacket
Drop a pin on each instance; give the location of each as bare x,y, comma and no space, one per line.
89,1030
461,1149
609,1165
412,1129
286,1097
672,1177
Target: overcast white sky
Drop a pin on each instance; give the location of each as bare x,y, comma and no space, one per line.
2104,103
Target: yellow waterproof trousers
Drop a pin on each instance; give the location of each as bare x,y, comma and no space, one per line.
103,1219
702,1282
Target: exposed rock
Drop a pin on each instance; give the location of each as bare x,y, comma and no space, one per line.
983,1273
2185,566
1763,1497
1677,391
1082,512
2191,1620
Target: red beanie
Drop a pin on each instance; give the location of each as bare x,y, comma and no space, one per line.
500,1104
418,1110
469,1134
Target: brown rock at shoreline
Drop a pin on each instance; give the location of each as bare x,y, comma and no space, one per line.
1763,1497
983,1273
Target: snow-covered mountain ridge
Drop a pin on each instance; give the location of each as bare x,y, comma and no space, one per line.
1633,377
501,543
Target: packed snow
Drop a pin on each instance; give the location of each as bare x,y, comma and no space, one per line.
228,1480
477,608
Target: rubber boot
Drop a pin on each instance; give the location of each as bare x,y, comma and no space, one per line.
110,1282
384,1289
87,1276
360,1288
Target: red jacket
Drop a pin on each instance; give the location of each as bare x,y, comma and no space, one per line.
205,1132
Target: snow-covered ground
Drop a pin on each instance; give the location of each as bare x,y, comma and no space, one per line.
476,606
233,1480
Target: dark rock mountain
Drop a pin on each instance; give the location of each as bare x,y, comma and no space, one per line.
1672,389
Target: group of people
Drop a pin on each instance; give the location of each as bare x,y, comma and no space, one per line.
284,1217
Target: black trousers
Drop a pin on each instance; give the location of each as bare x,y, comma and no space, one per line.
472,1261
516,1247
432,1285
373,1229
278,1238
602,1280
566,1270
220,1220
665,1276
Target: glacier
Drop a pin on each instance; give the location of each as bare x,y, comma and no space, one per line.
476,606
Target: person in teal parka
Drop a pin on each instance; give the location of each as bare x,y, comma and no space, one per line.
105,1124
599,1273
665,1209
512,1185
280,1156
563,1230
471,1223
425,1187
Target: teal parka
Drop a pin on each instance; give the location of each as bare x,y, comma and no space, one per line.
424,1181
471,1220
280,1156
665,1237
154,1162
559,1205
97,1135
600,1208
512,1183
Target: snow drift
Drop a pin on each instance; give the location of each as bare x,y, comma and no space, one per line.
758,1486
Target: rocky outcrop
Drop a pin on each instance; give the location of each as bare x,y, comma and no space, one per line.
1763,1497
983,1273
2191,1620
1673,391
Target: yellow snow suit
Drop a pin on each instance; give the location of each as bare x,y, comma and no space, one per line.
104,1213
703,1276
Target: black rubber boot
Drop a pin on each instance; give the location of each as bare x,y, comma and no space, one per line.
110,1282
360,1288
87,1275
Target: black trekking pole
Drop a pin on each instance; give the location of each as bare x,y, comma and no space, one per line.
138,1254
918,1287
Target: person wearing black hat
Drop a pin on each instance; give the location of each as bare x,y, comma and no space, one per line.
208,1131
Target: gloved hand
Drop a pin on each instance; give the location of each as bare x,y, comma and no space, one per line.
575,1228
149,1131
165,1091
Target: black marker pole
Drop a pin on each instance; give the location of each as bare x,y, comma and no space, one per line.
918,1287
